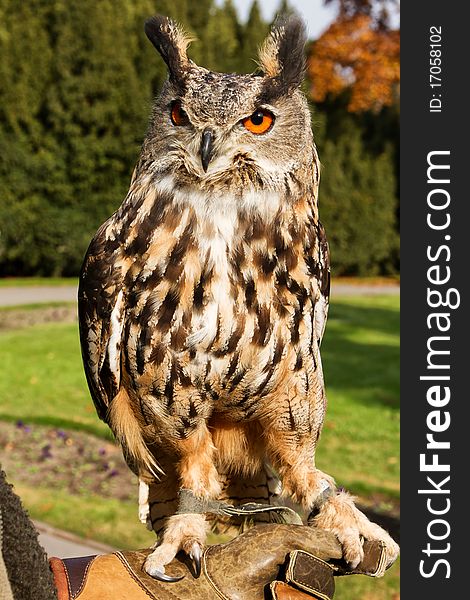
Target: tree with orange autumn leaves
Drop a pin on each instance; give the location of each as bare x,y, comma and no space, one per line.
358,54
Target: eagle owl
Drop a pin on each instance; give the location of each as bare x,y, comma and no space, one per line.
203,299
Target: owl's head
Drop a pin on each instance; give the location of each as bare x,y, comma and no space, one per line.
217,128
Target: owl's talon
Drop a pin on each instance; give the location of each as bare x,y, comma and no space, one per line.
156,574
195,555
155,567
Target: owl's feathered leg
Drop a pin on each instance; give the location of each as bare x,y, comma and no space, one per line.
187,532
342,517
182,532
294,458
144,506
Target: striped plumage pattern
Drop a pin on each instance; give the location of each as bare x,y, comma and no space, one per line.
208,318
203,300
224,307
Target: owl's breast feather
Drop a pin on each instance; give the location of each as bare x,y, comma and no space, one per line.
224,294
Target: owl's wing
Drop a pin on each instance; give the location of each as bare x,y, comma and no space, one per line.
322,275
101,309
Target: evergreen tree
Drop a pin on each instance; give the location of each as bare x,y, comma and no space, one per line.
284,10
357,204
197,19
25,66
198,13
77,84
94,109
77,159
221,48
150,68
255,31
31,168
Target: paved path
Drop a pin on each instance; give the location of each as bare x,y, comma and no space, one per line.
349,289
11,296
66,545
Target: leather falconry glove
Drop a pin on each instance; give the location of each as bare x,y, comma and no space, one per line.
282,562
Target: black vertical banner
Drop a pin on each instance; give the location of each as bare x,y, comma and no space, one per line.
435,326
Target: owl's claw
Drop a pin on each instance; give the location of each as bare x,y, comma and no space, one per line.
161,576
195,555
155,567
186,533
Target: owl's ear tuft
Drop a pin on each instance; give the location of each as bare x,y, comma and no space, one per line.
282,56
172,43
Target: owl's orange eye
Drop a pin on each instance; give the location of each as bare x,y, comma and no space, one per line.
260,122
178,115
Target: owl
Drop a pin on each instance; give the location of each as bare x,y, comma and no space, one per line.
203,299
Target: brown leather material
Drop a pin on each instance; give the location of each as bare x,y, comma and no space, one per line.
283,591
311,574
374,562
108,578
289,560
77,570
119,576
60,578
254,558
187,588
188,503
238,570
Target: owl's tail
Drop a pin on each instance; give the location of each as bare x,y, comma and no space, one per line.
128,431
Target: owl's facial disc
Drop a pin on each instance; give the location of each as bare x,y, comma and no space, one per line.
259,123
215,129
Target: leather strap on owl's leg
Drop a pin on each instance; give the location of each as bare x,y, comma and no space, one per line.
328,492
190,504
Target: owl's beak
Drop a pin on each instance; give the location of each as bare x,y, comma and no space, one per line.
207,148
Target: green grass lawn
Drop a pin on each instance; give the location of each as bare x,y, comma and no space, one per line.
34,281
42,381
35,306
359,445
